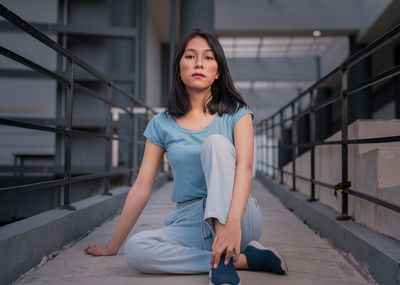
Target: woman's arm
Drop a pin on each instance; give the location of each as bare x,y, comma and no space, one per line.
135,202
228,237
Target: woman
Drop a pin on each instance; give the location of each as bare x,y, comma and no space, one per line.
207,133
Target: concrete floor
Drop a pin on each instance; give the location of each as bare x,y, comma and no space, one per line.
311,260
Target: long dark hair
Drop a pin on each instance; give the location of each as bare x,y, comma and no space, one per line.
225,97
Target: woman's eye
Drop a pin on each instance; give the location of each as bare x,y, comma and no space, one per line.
189,56
209,57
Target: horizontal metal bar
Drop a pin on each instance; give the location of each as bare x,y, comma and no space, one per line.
90,92
122,139
85,177
374,80
32,126
115,77
356,141
286,120
47,28
24,61
316,84
121,171
88,134
34,186
302,177
374,46
28,28
59,182
56,76
135,99
78,76
97,96
25,26
26,125
327,102
367,197
305,92
362,141
302,113
371,48
364,196
21,73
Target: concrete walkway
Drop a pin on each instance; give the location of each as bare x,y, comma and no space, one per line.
311,260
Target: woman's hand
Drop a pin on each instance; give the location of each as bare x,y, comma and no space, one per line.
227,240
99,250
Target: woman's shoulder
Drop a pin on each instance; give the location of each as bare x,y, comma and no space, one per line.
161,117
240,111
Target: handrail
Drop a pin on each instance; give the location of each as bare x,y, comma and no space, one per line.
66,130
267,126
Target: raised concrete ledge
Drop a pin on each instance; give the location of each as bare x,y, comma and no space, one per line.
377,254
25,243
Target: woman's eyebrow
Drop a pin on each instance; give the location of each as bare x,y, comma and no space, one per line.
191,49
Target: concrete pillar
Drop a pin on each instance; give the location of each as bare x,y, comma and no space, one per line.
196,14
360,103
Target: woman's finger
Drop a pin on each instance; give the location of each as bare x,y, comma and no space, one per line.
229,253
212,259
236,254
217,258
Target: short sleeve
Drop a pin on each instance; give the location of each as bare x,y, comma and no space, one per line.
154,132
240,113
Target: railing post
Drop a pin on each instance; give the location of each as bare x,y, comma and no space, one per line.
344,215
281,149
312,141
264,148
273,145
135,143
267,147
131,153
107,165
68,138
260,147
257,146
294,147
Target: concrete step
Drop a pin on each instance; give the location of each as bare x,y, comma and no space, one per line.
373,169
379,177
311,259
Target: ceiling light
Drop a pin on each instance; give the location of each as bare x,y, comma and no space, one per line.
316,33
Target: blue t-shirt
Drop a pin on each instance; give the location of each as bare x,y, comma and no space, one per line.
183,147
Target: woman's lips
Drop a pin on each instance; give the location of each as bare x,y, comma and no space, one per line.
198,75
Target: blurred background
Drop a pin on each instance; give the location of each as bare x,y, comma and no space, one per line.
275,50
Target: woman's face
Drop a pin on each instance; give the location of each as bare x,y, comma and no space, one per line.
198,67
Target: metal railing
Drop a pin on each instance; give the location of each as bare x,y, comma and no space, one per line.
64,126
267,128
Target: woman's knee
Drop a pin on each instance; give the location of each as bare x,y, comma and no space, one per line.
218,145
216,141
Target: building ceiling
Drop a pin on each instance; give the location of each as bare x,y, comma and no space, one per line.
256,47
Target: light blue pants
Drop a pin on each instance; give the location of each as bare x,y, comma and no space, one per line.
184,244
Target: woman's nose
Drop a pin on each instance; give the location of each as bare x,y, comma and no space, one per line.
199,63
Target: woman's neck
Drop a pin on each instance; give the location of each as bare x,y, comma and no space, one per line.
198,99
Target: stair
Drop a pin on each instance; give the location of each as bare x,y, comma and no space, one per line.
373,169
